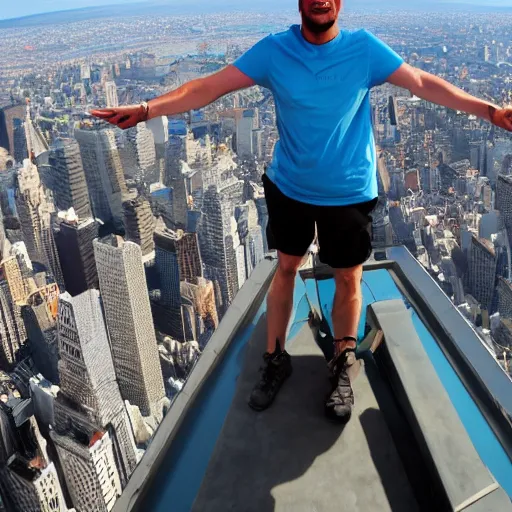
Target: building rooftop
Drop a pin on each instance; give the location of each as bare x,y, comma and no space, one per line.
431,429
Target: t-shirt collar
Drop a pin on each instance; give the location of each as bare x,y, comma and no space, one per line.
320,48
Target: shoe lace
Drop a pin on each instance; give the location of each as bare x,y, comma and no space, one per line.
339,363
268,372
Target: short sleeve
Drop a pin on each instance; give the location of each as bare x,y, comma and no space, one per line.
383,61
255,62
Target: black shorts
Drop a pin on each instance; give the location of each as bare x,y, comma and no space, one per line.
344,232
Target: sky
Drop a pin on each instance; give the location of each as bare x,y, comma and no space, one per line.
13,9
10,9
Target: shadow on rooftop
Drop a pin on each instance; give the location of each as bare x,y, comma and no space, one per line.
260,457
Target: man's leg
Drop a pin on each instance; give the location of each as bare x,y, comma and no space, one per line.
280,300
277,367
346,310
345,244
290,231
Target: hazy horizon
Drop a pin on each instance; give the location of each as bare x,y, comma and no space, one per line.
34,7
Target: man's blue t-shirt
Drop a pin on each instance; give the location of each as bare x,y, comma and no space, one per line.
326,153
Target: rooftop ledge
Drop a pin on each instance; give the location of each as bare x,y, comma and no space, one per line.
431,429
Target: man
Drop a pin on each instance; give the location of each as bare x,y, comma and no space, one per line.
323,172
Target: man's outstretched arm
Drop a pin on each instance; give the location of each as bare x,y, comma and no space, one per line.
432,88
190,96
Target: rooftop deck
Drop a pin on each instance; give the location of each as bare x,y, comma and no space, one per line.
431,429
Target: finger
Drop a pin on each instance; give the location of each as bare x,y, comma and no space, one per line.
103,114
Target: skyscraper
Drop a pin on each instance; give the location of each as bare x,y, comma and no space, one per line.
177,260
74,240
251,236
217,242
504,201
166,258
42,334
28,481
36,143
244,137
482,271
139,224
20,141
88,379
103,172
90,472
174,178
128,314
111,94
18,285
68,179
186,259
504,298
138,153
12,330
32,204
7,116
202,296
34,490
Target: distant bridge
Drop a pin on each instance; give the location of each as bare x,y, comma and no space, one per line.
500,64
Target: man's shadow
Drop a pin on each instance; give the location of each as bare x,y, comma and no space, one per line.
258,452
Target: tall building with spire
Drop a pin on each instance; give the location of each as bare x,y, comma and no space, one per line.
90,398
130,324
35,212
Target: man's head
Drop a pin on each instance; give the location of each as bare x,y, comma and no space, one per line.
319,15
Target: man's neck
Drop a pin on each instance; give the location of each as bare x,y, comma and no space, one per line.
322,37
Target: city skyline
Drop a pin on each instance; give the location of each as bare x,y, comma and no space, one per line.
42,7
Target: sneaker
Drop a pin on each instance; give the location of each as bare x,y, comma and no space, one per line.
340,403
277,368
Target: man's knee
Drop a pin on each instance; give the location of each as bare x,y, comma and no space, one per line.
289,265
349,279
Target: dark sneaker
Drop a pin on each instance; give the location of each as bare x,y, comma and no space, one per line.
340,403
277,368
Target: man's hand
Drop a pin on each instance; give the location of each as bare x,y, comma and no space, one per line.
123,117
439,91
501,117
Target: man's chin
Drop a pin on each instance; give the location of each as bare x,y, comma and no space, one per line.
317,26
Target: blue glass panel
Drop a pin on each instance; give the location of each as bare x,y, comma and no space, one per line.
180,475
